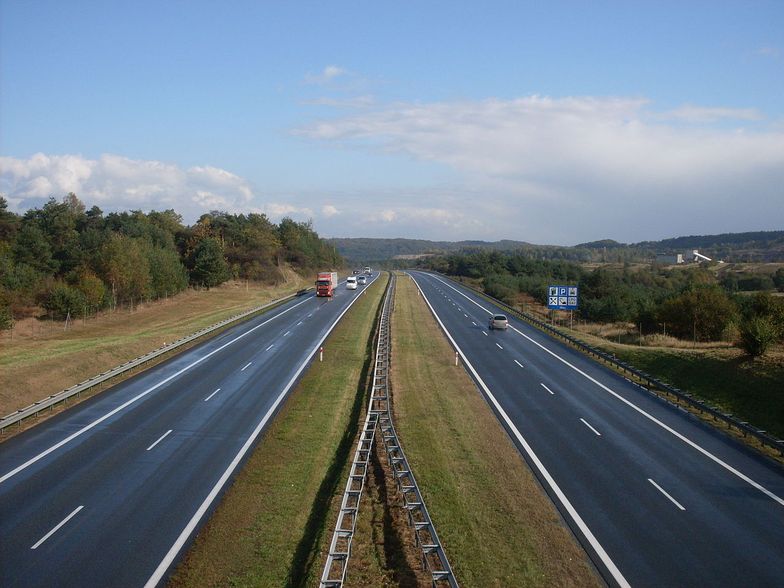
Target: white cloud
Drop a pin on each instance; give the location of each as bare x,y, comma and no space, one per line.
580,168
328,74
328,210
114,182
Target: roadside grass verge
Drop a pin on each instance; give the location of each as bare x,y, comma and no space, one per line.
497,525
271,529
751,390
41,358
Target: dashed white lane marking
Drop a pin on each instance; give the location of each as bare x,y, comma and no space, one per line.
499,347
546,388
518,363
660,489
465,315
57,528
473,323
287,333
485,334
246,367
598,434
211,395
161,438
299,323
270,347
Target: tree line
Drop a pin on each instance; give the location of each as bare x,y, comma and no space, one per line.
689,302
68,260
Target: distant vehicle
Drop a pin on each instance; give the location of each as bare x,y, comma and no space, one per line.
368,271
499,321
356,271
326,282
362,279
351,283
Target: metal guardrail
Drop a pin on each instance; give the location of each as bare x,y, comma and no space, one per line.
77,389
651,384
379,415
336,566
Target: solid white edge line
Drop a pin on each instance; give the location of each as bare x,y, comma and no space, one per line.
660,489
600,552
159,440
598,434
53,531
211,395
520,364
171,555
124,405
546,388
650,417
247,366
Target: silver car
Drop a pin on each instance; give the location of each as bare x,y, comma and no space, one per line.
499,321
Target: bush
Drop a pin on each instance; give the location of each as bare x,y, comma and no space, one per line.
63,300
6,316
757,334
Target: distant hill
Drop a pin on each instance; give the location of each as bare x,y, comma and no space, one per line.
754,246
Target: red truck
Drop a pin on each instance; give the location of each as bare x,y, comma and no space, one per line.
326,282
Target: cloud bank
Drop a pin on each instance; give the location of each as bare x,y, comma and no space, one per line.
582,168
115,183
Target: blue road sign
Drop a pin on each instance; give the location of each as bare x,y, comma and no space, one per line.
562,297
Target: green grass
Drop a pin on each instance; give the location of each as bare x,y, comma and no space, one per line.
750,390
272,525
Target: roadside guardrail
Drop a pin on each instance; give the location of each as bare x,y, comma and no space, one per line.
646,381
76,390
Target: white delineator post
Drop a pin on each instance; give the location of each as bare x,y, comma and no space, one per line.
457,358
321,354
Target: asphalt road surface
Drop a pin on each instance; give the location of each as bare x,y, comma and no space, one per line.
109,492
655,496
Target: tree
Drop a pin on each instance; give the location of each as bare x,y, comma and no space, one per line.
702,312
32,248
209,265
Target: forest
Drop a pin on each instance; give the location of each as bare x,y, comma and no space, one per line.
692,302
63,259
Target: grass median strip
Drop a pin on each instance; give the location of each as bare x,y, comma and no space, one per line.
497,525
271,525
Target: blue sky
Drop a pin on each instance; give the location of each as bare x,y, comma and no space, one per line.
557,122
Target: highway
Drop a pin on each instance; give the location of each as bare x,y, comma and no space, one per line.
656,497
109,492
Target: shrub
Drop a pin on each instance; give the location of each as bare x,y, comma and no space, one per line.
757,334
63,300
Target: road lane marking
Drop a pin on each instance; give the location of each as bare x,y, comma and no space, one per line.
518,363
598,434
166,434
499,347
485,334
126,404
211,395
660,489
57,528
589,536
299,323
287,333
247,366
465,315
270,347
546,388
179,543
473,323
647,415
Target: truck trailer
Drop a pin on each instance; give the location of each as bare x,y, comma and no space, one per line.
326,282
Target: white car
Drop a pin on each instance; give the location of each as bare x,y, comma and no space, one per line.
351,283
361,280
